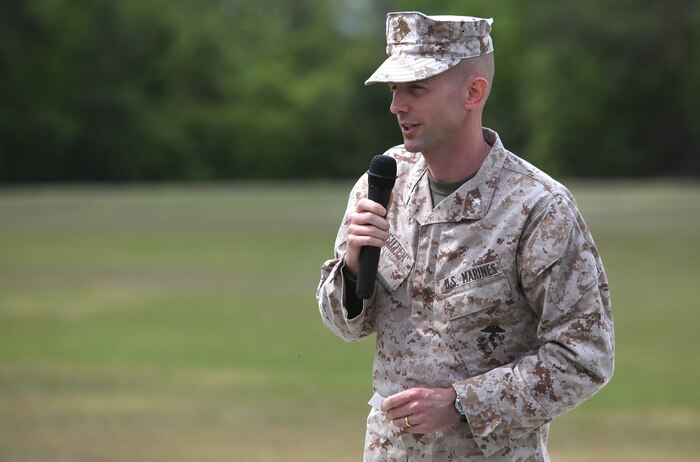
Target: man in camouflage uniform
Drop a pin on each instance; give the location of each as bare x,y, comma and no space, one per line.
492,312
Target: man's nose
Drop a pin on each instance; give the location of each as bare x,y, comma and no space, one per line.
398,103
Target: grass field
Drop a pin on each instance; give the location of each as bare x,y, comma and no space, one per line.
179,324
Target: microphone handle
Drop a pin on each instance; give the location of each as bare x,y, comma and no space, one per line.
369,255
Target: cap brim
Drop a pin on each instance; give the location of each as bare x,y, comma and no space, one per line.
404,68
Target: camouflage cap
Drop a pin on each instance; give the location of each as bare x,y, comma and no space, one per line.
421,46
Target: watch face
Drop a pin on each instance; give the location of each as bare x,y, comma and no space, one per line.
458,406
460,410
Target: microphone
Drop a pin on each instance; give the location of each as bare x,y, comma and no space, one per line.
381,177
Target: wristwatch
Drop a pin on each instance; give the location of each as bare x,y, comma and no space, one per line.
460,410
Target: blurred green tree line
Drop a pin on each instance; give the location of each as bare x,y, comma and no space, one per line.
104,90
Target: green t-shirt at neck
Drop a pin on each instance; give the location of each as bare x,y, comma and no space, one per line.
439,190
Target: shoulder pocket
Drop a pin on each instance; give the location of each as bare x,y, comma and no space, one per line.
573,275
560,259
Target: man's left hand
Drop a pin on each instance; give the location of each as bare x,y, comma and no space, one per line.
422,410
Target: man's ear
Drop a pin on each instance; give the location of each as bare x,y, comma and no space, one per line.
475,92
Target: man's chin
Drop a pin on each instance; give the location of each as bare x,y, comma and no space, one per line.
411,147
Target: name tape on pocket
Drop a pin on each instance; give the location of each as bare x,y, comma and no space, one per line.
469,276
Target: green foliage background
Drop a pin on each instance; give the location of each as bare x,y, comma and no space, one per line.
95,90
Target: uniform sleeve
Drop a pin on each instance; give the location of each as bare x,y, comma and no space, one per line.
563,280
350,326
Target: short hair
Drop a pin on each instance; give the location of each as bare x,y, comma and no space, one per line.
482,66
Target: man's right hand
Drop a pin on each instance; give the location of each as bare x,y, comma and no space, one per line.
366,226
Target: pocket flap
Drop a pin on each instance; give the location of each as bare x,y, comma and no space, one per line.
488,293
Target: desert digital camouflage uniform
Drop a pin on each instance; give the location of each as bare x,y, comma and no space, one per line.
498,291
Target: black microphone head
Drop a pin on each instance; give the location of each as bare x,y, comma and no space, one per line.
382,172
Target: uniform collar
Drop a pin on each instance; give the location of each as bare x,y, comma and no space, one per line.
470,202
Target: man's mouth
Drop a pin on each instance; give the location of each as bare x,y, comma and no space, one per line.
408,127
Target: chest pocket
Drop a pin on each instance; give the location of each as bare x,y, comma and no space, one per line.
395,264
476,297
